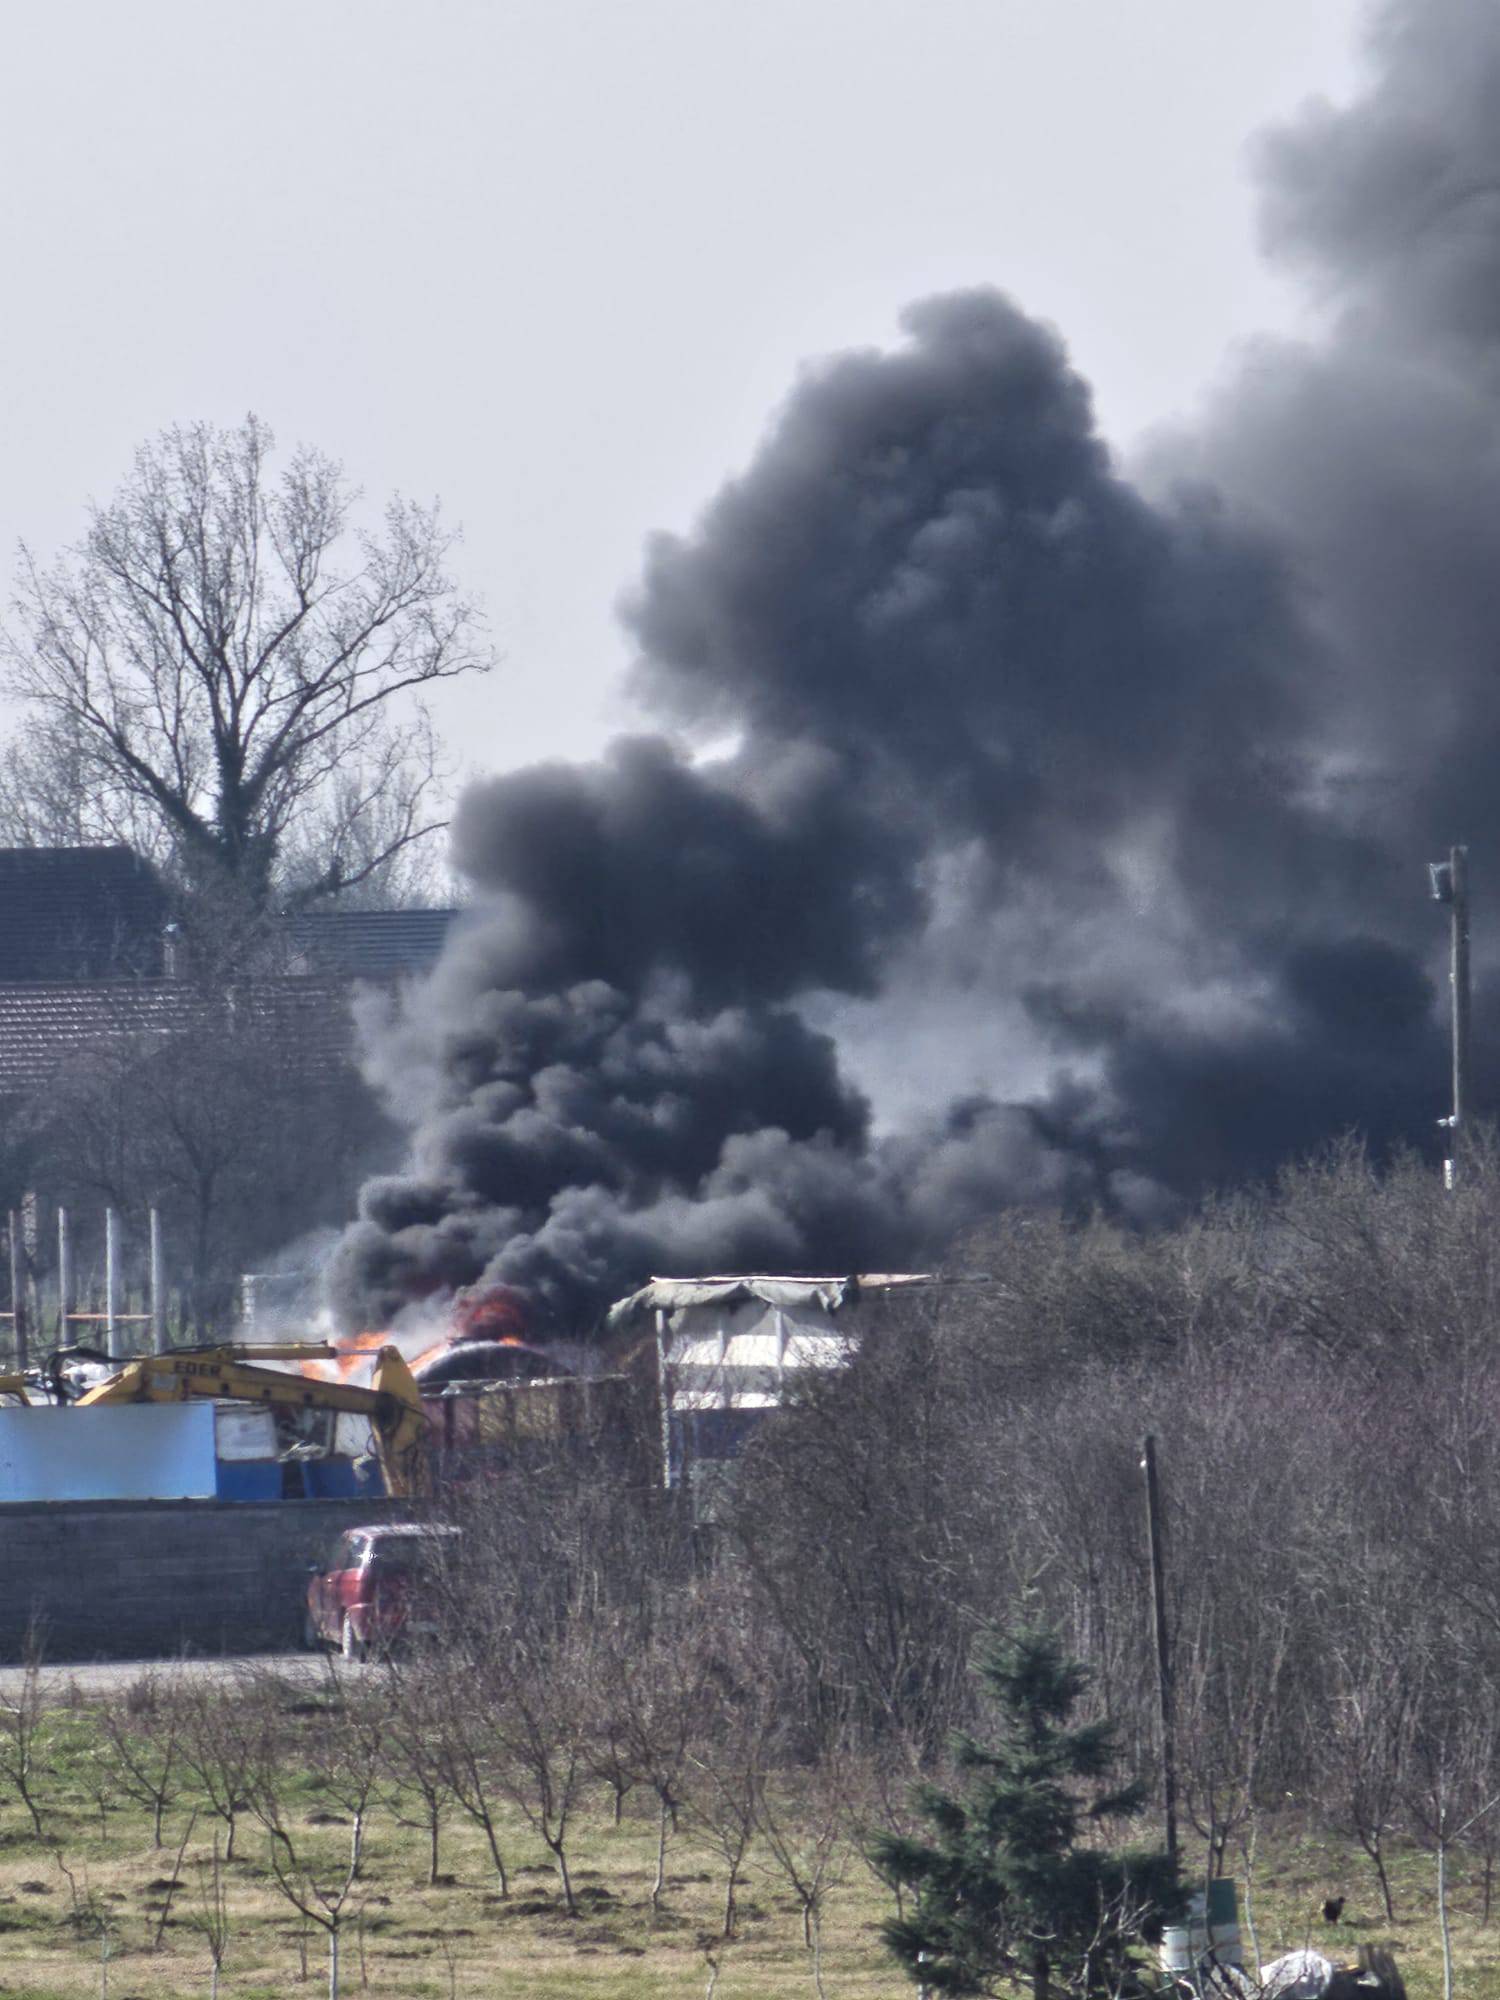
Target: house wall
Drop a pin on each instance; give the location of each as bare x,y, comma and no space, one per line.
154,1578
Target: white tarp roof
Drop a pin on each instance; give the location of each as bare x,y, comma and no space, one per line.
739,1342
792,1293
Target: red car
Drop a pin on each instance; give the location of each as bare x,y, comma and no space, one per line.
378,1586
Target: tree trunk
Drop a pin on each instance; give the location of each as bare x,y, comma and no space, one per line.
567,1881
202,1224
661,1860
495,1855
1372,1847
333,1962
817,1954
1040,1967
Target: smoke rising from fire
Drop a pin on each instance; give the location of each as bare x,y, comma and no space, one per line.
1134,774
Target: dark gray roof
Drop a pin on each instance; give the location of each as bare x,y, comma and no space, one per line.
369,944
45,1025
78,913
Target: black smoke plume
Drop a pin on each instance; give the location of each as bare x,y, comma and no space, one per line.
1117,788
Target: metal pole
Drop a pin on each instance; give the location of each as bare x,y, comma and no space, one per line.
1458,864
29,1248
111,1284
1163,1657
158,1303
17,1289
64,1277
663,1400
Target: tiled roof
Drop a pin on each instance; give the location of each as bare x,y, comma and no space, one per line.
78,913
46,1024
369,944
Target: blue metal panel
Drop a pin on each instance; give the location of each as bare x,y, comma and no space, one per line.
249,1479
110,1451
339,1479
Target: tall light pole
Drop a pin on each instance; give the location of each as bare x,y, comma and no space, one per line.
1450,885
1164,1694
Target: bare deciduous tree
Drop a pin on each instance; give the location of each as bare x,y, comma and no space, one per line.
649,1693
226,1740
242,1125
225,660
539,1721
344,1753
416,1756
141,1740
23,1715
803,1820
739,1745
211,1918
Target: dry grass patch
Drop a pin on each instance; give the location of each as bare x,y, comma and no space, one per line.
95,1907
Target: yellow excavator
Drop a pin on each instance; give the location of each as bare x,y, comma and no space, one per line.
393,1402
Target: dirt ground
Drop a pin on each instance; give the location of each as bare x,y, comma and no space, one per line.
106,1677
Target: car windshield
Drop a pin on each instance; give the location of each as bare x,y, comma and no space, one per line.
405,1555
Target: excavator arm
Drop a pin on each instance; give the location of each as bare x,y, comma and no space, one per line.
393,1403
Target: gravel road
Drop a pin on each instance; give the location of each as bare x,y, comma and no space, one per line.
111,1676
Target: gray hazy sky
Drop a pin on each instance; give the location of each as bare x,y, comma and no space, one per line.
556,261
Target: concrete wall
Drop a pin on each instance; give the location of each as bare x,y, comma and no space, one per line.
153,1578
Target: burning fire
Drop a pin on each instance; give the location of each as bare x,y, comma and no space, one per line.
497,1313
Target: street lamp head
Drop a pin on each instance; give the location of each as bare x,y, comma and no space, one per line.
1440,875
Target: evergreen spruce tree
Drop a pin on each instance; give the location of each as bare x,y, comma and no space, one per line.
1006,1895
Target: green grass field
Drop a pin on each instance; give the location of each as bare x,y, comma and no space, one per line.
117,1928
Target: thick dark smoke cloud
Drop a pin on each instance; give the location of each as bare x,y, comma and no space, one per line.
1143,768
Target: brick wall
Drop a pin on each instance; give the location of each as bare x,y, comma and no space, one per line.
153,1578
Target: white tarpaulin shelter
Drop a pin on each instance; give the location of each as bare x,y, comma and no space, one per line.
731,1348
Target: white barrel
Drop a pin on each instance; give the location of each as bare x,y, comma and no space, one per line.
1177,1954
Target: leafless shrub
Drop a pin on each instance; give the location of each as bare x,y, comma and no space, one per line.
803,1820
141,1737
314,1877
746,1736
23,1713
226,1738
416,1754
210,1916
